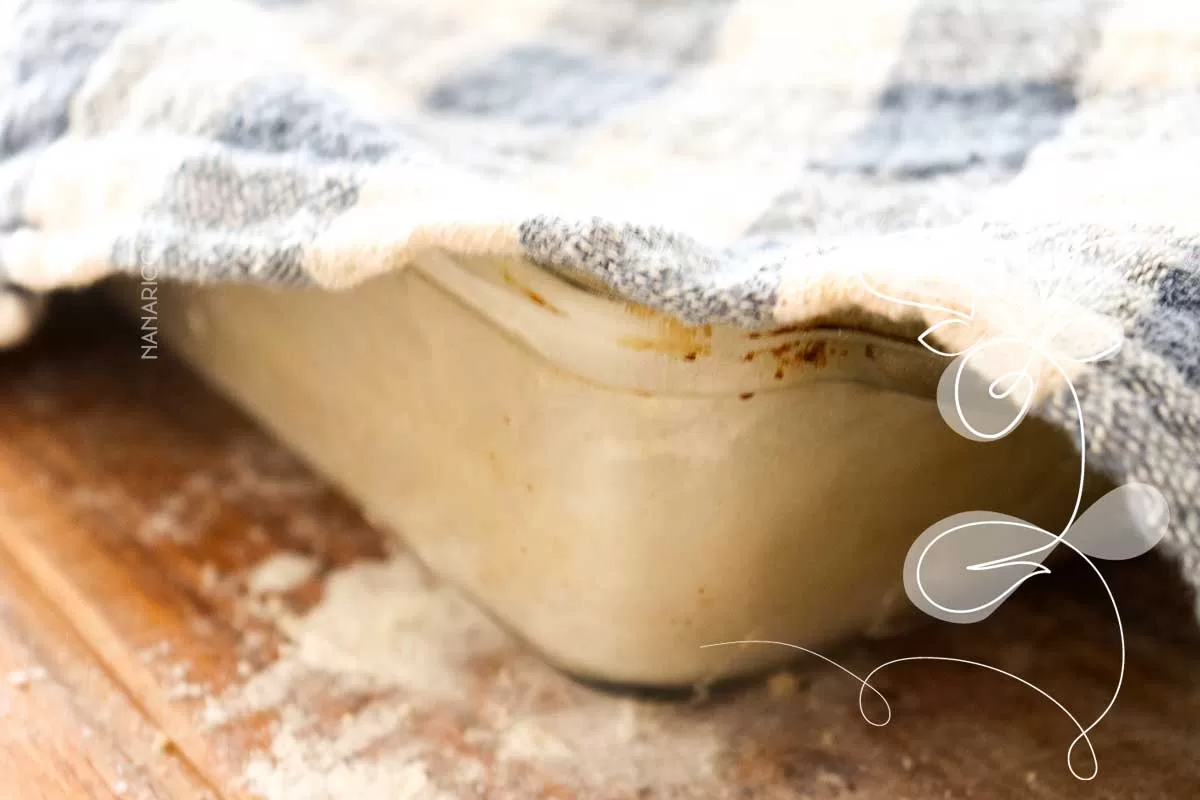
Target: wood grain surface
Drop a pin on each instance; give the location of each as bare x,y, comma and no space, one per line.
135,507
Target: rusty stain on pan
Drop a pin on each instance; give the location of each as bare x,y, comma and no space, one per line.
533,296
674,338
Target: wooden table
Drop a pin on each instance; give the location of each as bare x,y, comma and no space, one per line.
143,652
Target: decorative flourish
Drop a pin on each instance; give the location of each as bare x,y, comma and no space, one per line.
973,561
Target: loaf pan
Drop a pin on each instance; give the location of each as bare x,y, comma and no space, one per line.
615,487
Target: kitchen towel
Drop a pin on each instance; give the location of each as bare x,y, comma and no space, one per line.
973,171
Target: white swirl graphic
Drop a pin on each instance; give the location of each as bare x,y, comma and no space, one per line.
972,562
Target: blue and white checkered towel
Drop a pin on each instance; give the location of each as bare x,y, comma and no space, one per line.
890,163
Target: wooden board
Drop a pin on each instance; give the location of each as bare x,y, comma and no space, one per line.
67,730
137,511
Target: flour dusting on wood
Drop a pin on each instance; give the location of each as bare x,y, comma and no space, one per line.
281,572
393,685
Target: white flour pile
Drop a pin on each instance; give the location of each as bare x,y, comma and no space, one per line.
394,687
386,622
380,628
281,573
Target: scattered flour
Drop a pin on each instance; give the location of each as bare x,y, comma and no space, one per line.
210,577
526,739
385,621
395,687
250,471
380,627
323,768
185,514
154,652
21,678
281,573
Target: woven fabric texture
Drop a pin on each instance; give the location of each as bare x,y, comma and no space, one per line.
747,162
